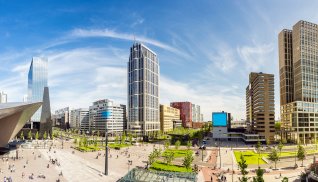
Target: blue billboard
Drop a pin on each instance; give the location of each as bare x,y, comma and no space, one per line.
219,119
106,114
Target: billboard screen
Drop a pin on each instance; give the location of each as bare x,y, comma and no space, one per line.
106,114
219,118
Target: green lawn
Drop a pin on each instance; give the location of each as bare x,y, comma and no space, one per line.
251,157
89,148
177,153
161,166
113,145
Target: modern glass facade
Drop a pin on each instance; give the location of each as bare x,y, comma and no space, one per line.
37,80
298,58
143,90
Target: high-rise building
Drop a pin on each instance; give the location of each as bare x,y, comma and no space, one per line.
143,90
298,60
167,116
61,118
260,105
79,119
185,112
196,113
3,97
106,111
37,80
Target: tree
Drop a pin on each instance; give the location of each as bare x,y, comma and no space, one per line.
169,157
273,156
280,147
117,139
189,144
123,138
177,144
130,138
243,166
187,161
258,149
45,135
259,175
268,142
30,135
151,158
37,135
301,154
75,141
22,135
167,144
285,179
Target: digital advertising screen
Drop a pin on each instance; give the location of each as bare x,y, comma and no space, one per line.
106,114
219,119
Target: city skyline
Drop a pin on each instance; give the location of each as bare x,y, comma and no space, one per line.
88,56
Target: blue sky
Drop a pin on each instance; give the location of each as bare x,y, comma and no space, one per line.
206,48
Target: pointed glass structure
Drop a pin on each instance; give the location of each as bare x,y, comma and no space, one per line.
37,80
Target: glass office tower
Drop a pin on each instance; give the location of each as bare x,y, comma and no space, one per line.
37,80
143,91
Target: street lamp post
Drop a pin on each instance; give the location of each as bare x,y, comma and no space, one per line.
106,148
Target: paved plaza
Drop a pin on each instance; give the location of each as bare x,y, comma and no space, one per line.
74,165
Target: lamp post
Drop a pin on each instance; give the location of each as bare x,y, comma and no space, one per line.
106,149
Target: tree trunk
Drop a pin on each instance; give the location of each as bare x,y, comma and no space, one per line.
275,165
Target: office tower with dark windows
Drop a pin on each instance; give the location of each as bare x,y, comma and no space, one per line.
37,80
260,105
143,90
298,68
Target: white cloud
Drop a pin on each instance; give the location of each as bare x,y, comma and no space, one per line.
124,36
257,56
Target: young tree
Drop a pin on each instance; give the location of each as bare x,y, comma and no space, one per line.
258,149
273,156
169,157
151,158
259,175
167,144
22,135
285,179
130,138
117,139
189,144
177,144
301,154
268,142
243,166
280,147
37,135
30,135
123,137
45,135
187,161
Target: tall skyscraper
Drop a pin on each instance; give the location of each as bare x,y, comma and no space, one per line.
3,97
143,90
298,69
260,105
37,80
